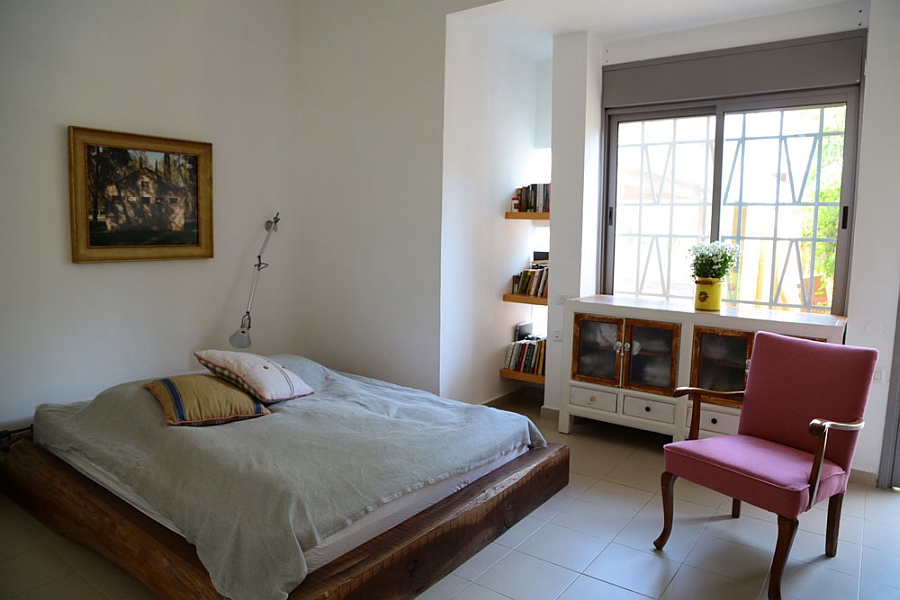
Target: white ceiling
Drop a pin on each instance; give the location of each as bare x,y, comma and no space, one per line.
529,25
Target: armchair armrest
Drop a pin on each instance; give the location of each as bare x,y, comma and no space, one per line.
820,428
698,395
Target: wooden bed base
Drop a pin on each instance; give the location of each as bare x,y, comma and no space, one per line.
400,563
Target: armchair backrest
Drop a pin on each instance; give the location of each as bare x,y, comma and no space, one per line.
792,381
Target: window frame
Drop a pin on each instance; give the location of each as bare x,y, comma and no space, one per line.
718,107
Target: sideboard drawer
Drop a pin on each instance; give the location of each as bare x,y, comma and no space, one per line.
715,421
593,399
664,412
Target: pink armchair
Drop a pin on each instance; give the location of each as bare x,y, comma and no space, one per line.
781,459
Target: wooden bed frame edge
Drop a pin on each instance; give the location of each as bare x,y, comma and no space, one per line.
400,563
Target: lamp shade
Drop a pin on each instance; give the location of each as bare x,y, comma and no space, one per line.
240,339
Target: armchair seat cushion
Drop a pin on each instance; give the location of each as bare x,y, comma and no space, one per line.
766,474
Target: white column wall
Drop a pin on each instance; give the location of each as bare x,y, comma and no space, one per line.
575,176
489,140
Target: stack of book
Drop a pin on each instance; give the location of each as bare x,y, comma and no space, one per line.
532,282
531,198
527,356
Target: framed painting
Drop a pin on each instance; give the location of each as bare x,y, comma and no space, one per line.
139,197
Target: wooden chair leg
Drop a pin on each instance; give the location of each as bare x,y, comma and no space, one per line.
667,483
834,524
787,528
735,508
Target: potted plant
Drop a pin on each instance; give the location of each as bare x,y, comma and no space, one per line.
711,262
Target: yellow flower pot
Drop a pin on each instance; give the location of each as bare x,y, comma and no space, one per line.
708,293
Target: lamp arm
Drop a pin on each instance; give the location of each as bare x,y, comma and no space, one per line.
260,265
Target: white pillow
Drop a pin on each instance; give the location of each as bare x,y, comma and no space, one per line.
259,376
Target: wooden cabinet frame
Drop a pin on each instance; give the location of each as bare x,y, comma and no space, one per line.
697,350
623,355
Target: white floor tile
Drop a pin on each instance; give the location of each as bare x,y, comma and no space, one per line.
880,568
473,568
691,583
588,588
30,570
809,582
70,587
524,577
617,497
476,592
520,532
444,589
744,530
562,546
882,505
642,572
882,536
745,564
594,519
810,548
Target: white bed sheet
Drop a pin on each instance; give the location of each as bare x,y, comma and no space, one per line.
370,526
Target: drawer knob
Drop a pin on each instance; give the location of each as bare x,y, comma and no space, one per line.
714,421
646,409
593,399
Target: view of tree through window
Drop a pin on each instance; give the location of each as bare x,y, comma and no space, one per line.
778,198
780,203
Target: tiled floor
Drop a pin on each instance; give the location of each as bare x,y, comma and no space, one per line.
591,541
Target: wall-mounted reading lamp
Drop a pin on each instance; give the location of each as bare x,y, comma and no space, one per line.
241,337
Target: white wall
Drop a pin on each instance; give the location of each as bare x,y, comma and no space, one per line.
220,71
490,106
875,262
371,128
576,165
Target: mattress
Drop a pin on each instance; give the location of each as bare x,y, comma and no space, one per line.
258,498
362,530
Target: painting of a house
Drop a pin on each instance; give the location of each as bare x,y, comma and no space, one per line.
141,197
144,199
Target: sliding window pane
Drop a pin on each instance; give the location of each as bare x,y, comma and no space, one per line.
781,196
663,203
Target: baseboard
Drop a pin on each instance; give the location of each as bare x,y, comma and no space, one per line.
863,478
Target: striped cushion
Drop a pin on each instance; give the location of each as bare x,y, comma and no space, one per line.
263,378
203,400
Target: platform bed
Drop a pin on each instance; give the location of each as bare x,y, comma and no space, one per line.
400,563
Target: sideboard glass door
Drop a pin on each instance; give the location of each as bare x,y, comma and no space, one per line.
720,358
651,356
597,349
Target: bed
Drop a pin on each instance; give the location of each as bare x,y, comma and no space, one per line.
185,529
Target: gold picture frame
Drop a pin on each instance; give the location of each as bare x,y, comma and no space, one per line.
139,197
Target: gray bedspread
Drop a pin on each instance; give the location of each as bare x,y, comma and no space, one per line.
253,495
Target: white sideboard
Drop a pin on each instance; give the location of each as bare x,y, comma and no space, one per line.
623,357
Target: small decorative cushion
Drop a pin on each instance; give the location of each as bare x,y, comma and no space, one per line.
264,379
203,400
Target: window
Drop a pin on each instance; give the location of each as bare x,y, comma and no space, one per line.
773,172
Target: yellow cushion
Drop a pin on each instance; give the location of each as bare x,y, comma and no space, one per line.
203,400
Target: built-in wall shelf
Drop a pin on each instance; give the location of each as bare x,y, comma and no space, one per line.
529,216
525,299
520,376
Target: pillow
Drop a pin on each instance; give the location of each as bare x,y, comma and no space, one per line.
264,379
203,400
